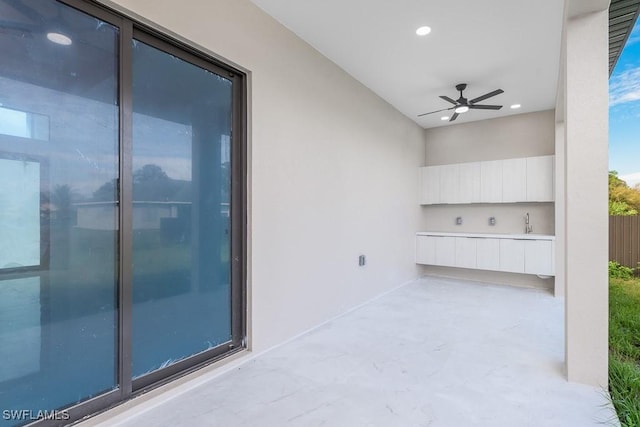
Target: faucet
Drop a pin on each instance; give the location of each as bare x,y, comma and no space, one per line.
527,226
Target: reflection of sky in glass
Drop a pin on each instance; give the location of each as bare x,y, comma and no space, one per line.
13,122
20,213
83,135
171,148
23,124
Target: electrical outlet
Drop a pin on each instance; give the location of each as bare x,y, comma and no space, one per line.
362,260
492,220
459,220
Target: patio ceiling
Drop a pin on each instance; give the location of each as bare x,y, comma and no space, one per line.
512,45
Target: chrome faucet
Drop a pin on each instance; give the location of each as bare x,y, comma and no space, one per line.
527,227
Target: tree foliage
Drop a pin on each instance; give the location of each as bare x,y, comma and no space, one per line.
623,200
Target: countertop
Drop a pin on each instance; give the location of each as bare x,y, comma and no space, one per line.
531,236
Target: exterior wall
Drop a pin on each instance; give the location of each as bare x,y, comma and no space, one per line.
586,226
560,212
522,135
332,170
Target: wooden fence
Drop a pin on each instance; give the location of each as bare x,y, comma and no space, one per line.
624,240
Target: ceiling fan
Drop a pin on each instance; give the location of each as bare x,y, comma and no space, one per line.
462,104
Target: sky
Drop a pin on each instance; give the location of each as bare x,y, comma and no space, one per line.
624,111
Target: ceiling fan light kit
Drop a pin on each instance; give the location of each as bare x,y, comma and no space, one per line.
462,104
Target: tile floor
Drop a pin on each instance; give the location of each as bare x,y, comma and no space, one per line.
436,352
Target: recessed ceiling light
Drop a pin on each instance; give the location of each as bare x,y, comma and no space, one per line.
59,38
444,118
461,109
423,31
515,106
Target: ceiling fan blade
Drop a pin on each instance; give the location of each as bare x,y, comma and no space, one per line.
437,111
455,116
486,107
446,98
486,96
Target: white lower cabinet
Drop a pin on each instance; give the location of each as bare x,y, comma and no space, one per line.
465,252
426,249
512,255
446,251
488,254
538,256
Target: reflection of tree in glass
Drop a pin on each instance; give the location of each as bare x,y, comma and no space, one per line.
151,184
106,192
62,198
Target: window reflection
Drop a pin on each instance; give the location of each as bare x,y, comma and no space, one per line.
58,146
181,184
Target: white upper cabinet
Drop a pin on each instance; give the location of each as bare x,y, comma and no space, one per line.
514,180
540,179
469,187
491,181
430,185
528,179
450,184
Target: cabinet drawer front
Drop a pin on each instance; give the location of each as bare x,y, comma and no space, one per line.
488,254
512,255
426,250
539,257
514,180
540,179
465,252
491,181
446,251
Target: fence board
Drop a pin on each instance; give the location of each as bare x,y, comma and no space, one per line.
624,240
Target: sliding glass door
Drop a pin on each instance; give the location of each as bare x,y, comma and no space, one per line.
59,123
181,187
122,213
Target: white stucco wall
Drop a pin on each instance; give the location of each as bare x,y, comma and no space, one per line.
332,170
586,224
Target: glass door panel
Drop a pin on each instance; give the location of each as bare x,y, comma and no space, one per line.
181,194
58,206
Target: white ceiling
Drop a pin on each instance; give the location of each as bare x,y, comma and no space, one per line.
513,45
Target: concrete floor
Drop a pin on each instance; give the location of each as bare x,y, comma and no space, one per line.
436,352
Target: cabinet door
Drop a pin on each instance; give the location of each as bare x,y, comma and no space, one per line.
491,181
426,250
449,183
469,186
512,255
488,254
430,185
465,252
538,257
540,179
514,180
446,251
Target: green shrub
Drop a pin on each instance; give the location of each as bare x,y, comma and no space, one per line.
617,271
